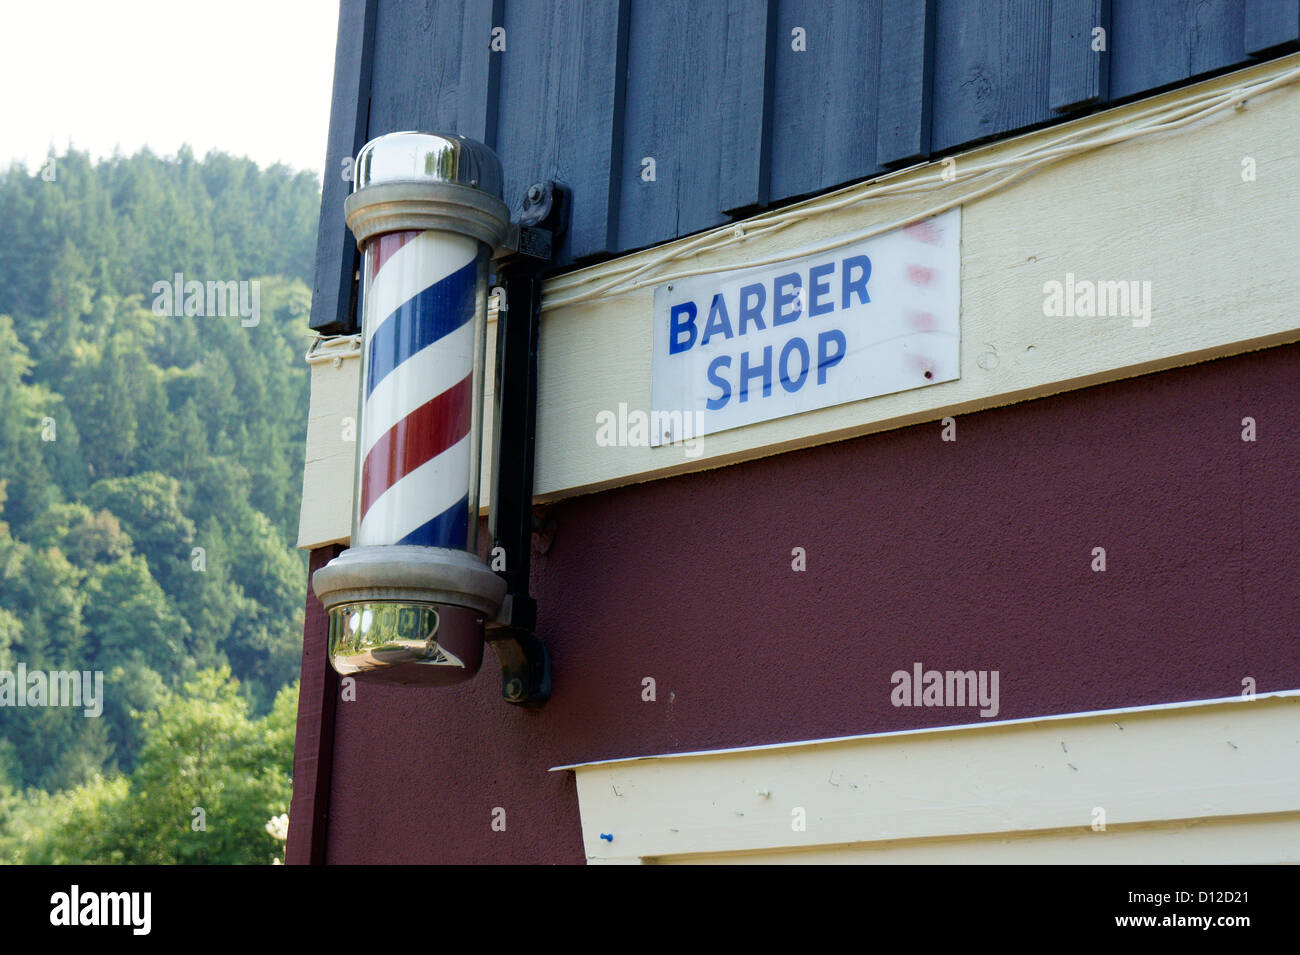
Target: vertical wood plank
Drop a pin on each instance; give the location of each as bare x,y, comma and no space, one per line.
745,102
424,77
333,301
672,119
733,118
1080,75
905,91
480,72
1272,26
1156,43
991,70
560,111
313,748
598,138
825,95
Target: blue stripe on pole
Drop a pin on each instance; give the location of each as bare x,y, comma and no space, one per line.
448,529
420,321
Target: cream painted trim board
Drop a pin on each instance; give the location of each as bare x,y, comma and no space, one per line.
325,515
1245,840
1169,207
1215,780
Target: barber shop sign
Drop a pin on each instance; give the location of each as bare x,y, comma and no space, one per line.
843,323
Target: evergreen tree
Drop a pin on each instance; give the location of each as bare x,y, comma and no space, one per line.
150,465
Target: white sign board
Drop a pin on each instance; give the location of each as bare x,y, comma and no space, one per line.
869,318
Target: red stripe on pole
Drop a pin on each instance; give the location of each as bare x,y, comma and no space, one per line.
417,439
382,248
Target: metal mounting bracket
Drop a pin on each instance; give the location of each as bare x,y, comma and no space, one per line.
522,262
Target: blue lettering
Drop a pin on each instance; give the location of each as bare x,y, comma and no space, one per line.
763,371
752,313
681,318
791,346
782,298
825,359
819,285
724,386
719,320
858,285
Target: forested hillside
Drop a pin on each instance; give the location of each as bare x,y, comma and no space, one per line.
150,468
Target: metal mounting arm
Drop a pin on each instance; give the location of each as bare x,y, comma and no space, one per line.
521,267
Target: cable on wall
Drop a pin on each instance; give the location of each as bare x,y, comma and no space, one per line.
624,277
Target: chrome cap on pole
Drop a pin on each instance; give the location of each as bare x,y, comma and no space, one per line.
424,181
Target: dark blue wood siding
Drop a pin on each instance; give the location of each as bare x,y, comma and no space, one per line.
334,288
991,70
561,106
745,104
1156,43
823,132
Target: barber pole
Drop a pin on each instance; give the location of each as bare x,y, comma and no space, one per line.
409,599
423,357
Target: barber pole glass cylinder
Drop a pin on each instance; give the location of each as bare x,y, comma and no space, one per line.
409,599
422,390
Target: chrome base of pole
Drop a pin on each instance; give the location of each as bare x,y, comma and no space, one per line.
408,615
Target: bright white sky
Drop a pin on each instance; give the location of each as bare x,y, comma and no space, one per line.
247,77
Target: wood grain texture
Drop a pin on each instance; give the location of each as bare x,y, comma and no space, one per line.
1272,26
735,119
671,117
1158,42
1080,74
745,102
479,96
825,104
428,73
561,111
905,91
333,302
990,71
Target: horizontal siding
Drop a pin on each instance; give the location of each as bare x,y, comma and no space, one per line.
1132,772
745,104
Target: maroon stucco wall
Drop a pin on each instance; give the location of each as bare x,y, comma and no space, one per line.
968,555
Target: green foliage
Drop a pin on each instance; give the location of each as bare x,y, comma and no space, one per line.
209,778
150,469
203,752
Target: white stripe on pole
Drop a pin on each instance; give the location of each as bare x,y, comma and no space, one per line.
418,497
422,377
425,260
